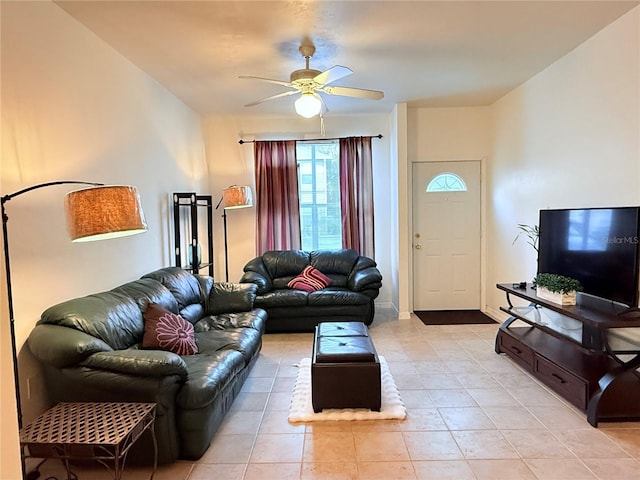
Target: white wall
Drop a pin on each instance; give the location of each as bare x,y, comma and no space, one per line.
74,109
400,241
441,134
569,137
231,163
444,134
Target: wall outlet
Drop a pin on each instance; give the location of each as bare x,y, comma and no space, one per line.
33,387
29,384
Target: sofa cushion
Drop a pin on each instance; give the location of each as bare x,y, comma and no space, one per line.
255,319
209,375
310,280
337,296
168,331
247,341
281,298
231,297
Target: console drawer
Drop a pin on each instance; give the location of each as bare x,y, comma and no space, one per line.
516,350
573,388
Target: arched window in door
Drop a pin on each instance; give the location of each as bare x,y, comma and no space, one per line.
447,182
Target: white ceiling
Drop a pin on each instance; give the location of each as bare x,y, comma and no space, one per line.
426,53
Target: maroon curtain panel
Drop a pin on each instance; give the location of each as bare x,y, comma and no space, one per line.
277,205
356,190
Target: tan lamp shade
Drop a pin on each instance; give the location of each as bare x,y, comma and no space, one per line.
98,213
237,197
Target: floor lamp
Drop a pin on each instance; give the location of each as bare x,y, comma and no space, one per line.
94,213
233,197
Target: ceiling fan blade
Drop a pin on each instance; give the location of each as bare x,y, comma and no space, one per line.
277,82
278,95
354,92
331,75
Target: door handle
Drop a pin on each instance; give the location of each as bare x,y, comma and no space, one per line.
418,246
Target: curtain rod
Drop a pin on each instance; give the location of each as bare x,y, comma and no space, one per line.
241,142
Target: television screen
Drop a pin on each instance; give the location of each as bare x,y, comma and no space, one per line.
597,246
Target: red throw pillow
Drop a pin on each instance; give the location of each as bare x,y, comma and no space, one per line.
310,280
165,330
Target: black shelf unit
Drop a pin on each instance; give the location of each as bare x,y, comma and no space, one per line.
186,209
588,352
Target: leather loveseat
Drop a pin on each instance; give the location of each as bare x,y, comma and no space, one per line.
355,283
90,349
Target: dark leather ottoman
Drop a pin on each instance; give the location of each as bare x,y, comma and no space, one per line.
345,369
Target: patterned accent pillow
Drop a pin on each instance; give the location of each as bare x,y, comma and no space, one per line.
310,280
165,330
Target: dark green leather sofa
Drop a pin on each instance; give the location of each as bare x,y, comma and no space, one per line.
355,283
90,351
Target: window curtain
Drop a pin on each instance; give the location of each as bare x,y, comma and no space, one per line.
277,206
356,187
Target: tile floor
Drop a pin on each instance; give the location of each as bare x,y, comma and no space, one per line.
472,414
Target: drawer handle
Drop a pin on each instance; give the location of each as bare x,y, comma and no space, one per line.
558,377
517,350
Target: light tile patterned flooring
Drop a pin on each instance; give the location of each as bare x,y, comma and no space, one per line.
472,414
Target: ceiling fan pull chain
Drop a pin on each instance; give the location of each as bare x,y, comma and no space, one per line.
322,130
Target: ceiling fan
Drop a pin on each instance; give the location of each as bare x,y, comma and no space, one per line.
309,83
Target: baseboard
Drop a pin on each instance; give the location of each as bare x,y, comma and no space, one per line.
391,309
385,305
498,315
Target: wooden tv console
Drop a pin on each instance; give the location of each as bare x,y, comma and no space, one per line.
588,353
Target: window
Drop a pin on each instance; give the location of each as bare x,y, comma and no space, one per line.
319,192
447,182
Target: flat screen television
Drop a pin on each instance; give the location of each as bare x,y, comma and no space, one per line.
597,246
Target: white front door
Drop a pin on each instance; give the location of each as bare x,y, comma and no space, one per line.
446,235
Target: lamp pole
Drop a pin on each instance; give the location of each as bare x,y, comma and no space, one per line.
224,229
5,239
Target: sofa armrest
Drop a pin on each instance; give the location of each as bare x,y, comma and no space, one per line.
63,346
84,384
367,279
256,272
144,363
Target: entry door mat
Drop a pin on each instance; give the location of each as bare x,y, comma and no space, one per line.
453,317
301,409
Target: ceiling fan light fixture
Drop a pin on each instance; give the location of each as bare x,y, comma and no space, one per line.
308,105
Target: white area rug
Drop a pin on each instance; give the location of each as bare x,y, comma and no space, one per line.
301,409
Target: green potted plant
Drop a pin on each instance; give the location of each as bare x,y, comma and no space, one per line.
532,232
557,288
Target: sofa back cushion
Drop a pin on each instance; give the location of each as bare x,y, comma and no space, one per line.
115,317
147,290
184,286
283,265
226,297
336,264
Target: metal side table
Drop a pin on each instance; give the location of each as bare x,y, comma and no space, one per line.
102,431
